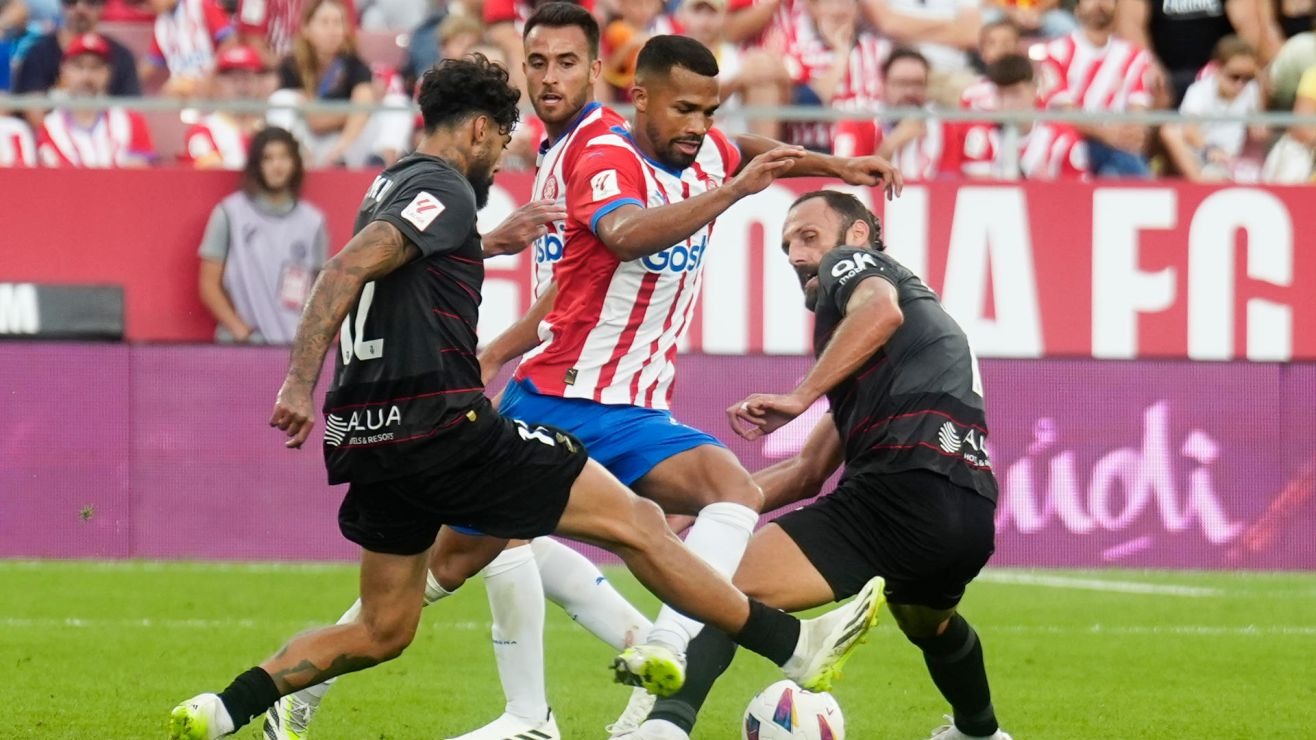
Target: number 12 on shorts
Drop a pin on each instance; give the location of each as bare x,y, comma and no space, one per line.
362,348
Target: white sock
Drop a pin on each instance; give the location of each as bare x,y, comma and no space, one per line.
719,536
313,695
516,602
574,583
661,728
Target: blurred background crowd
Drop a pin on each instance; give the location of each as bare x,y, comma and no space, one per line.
870,59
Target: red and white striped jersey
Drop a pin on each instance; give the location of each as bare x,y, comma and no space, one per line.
1076,73
613,331
119,138
557,163
216,136
17,148
776,36
1049,151
186,37
920,159
979,95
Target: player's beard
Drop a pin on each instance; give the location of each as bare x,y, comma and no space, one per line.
670,155
480,182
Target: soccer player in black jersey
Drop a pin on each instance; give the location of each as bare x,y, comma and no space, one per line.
917,498
408,427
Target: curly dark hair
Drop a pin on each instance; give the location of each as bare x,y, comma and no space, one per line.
851,210
454,90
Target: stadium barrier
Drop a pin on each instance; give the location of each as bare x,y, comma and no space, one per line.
1109,270
113,451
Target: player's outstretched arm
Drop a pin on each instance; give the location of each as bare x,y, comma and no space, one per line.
803,475
632,232
871,171
517,339
872,315
522,228
376,251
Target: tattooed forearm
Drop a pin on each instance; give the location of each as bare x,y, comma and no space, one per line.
307,673
376,251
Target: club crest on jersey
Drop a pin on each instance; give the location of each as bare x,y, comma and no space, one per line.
422,210
550,189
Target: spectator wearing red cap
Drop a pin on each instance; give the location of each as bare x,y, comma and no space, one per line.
89,138
39,70
188,33
220,139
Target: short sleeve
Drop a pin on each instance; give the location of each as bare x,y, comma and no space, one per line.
217,21
606,178
214,243
435,212
842,270
1307,85
731,154
357,73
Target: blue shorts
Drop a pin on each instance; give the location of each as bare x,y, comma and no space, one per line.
627,440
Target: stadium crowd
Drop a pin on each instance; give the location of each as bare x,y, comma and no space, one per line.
864,56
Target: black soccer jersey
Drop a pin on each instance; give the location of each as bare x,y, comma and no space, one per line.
406,370
917,402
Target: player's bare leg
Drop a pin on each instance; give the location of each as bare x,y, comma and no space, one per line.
603,511
392,589
464,555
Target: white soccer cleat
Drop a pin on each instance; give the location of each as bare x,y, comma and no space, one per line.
656,729
636,712
289,719
203,717
511,727
826,642
652,667
949,731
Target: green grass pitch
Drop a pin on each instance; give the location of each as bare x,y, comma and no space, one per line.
91,650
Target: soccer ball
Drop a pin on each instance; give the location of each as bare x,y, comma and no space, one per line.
784,711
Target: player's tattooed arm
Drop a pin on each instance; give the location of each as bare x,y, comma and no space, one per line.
376,251
871,171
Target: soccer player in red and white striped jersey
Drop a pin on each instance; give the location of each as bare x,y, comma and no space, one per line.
17,147
1092,69
88,138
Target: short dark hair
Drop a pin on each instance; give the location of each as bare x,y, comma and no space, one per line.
1232,46
454,90
661,53
851,211
565,15
253,180
1011,69
904,52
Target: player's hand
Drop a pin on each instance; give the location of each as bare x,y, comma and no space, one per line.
523,227
763,413
765,168
294,414
873,171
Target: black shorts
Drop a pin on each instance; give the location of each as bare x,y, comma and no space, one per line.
922,533
514,484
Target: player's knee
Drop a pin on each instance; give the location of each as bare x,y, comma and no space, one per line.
740,490
451,573
920,622
388,639
646,527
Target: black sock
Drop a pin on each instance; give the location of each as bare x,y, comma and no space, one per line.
707,657
954,658
769,632
249,696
